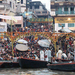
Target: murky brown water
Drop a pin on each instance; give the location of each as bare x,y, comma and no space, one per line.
19,71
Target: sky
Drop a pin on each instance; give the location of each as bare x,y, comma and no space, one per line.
46,2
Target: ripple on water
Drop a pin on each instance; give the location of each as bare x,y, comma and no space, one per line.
19,71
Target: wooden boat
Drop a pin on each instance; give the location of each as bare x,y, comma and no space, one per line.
7,64
1,64
63,66
32,63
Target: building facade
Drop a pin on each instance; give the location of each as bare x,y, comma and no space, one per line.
14,5
4,10
8,8
4,7
63,12
38,9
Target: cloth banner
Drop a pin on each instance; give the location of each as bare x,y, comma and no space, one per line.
10,17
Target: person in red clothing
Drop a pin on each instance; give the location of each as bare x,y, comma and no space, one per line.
70,42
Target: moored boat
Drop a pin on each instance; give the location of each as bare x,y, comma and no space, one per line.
32,63
63,66
8,64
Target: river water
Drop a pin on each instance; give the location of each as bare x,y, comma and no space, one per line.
19,71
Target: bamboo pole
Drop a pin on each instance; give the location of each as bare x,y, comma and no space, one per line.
12,47
12,39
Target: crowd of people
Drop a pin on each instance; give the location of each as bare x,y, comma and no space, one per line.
35,28
34,48
5,49
33,51
63,44
66,46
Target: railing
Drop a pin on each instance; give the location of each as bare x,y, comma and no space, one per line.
42,13
72,12
65,12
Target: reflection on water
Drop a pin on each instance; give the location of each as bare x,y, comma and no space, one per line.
19,71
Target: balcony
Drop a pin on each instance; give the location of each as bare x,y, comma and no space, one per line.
65,12
4,8
4,5
41,12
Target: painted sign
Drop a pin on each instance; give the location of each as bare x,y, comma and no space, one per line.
64,19
41,20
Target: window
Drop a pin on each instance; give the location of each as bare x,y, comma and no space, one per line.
66,0
15,1
10,4
27,2
44,12
0,20
18,25
65,8
44,8
34,3
36,7
72,8
38,12
71,25
60,9
30,7
60,25
0,1
21,1
13,5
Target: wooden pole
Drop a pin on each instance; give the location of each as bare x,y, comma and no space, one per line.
12,39
55,44
12,48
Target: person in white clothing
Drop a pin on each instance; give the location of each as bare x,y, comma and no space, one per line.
59,53
64,56
41,55
47,55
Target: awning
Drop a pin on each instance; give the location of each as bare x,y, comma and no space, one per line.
44,43
22,41
22,47
66,30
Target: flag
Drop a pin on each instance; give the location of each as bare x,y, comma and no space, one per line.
13,19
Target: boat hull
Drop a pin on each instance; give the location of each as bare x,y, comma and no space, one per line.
9,65
62,66
32,63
